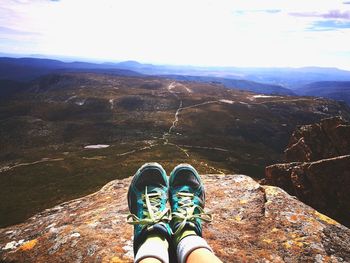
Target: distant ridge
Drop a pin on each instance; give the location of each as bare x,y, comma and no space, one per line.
238,84
337,90
286,81
24,69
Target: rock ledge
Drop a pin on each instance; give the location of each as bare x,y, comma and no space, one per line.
252,223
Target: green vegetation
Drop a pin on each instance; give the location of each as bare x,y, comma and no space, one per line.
45,127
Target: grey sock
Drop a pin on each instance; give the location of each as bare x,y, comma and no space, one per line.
189,244
152,249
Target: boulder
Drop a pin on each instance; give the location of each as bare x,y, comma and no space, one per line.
252,223
329,138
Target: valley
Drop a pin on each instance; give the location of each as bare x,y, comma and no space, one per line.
47,125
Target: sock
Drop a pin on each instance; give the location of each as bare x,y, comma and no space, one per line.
184,234
154,246
188,244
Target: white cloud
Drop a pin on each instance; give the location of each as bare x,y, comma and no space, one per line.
203,32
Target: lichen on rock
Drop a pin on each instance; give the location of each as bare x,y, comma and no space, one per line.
252,223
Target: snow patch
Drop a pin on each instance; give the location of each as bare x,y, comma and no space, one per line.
263,96
80,102
96,146
227,101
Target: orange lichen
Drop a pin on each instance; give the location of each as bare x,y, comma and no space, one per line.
295,242
29,245
242,202
326,218
294,217
287,244
238,218
113,259
268,241
271,190
299,244
116,260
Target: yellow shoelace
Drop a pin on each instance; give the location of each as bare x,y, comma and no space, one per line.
152,214
186,211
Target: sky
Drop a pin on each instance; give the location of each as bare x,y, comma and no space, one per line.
243,33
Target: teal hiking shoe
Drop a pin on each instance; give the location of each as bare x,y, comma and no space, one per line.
187,200
147,198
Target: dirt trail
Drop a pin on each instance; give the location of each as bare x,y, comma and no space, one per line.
176,118
150,146
170,88
204,148
200,104
7,168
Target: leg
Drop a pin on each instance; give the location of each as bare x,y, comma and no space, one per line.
201,255
150,260
147,198
187,199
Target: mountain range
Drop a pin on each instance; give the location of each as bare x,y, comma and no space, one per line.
311,81
337,90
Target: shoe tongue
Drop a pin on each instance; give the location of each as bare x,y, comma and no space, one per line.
152,189
185,189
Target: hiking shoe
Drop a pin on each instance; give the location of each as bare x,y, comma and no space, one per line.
187,199
147,198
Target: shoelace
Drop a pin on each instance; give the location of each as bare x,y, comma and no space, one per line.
151,214
185,212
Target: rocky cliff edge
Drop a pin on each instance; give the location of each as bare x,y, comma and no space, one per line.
252,223
317,168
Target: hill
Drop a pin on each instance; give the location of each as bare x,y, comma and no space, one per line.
237,84
24,69
337,90
10,87
65,135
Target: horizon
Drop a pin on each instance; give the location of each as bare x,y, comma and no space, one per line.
244,34
101,62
